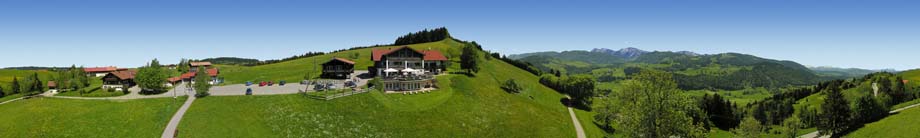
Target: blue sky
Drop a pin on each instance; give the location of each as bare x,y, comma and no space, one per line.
128,33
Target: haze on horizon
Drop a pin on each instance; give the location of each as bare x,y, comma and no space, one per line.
850,33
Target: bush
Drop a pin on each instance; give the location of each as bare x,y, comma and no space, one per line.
125,91
377,84
511,86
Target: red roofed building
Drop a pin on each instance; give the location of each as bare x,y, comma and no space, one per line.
406,69
403,57
99,71
194,65
190,77
119,80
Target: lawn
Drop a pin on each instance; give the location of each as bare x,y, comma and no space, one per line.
94,90
54,117
10,97
902,125
463,107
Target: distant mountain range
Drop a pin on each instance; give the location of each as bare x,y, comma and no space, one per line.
632,53
730,71
846,72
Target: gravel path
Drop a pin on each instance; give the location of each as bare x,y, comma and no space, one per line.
579,130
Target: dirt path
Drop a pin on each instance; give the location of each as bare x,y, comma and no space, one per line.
579,130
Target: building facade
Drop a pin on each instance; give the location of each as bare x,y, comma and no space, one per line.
119,80
406,69
338,68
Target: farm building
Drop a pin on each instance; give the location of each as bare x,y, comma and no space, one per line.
338,68
119,80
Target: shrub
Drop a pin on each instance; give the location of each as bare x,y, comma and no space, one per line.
511,86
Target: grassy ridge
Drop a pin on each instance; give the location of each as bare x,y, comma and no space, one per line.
463,107
902,125
53,117
295,70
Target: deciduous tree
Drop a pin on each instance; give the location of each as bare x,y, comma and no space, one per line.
468,60
651,106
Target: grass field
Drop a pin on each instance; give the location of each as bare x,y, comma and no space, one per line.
6,76
463,107
902,125
53,117
10,97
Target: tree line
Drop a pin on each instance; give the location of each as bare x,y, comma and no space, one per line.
423,36
579,87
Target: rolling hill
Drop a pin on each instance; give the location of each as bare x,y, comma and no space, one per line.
465,106
692,71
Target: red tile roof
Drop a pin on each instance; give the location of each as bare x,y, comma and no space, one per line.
51,84
124,75
100,69
343,60
175,79
195,64
211,72
377,54
433,56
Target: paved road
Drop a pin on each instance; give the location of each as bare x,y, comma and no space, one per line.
579,130
815,134
170,131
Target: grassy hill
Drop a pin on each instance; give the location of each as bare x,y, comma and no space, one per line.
6,76
53,117
726,71
295,70
463,107
902,125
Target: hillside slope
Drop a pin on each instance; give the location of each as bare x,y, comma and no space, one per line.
691,71
295,70
464,106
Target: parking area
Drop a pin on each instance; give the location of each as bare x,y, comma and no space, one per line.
361,78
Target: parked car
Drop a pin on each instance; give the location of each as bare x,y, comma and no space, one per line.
248,91
263,83
248,83
270,83
281,83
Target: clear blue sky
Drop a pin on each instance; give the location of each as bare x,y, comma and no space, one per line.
128,33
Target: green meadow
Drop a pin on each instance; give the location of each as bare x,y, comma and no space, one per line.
54,117
464,106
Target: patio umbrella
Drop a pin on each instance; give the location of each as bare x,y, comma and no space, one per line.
390,70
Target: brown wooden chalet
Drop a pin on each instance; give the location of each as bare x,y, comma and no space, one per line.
338,68
119,80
